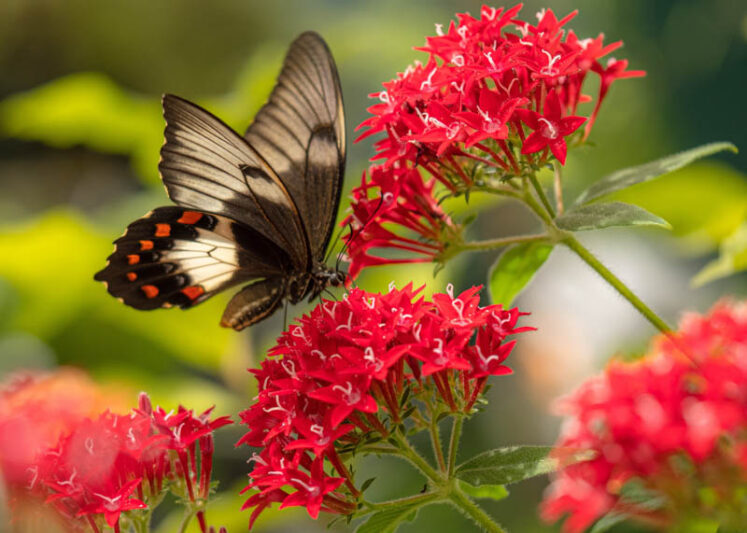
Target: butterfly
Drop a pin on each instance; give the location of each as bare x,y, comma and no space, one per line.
257,209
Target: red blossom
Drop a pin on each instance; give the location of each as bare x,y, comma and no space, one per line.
99,468
550,129
640,416
338,377
467,111
401,198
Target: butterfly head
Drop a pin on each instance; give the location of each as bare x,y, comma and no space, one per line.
336,278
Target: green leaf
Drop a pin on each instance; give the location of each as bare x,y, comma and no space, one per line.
367,484
607,214
514,269
608,521
493,492
704,202
732,258
388,520
636,493
88,109
622,179
503,466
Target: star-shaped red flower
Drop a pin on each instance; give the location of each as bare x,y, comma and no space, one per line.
550,129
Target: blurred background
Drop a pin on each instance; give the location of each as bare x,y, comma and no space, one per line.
80,131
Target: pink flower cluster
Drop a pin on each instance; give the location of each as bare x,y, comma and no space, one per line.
102,467
639,417
497,94
350,371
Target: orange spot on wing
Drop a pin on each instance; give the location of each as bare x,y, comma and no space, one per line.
146,245
163,230
193,292
131,276
133,259
189,217
151,291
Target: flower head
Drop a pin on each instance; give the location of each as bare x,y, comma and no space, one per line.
349,372
675,425
497,98
90,469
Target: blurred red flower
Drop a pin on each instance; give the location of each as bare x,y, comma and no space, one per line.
90,467
675,424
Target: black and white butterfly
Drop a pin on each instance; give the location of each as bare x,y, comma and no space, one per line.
259,208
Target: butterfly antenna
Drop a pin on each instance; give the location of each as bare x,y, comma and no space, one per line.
355,234
334,242
285,315
331,294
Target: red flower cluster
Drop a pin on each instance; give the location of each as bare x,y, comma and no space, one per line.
351,370
645,418
405,199
496,94
102,467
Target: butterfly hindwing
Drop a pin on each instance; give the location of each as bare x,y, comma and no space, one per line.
207,166
253,303
300,132
179,257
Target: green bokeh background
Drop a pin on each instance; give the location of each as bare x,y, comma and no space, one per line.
80,130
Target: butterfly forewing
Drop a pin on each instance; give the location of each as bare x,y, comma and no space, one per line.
205,165
300,132
258,208
178,257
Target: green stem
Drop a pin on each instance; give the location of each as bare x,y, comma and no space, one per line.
491,244
378,449
142,525
542,195
436,442
571,242
418,499
500,190
409,453
188,515
539,211
471,509
456,434
558,182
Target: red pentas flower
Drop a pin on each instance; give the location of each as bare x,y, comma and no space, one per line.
346,374
396,197
497,98
96,470
671,424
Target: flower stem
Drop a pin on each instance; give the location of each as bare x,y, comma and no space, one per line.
416,500
541,193
188,514
471,509
571,242
456,434
491,244
558,182
409,453
436,442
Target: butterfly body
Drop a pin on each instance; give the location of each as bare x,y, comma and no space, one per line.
256,209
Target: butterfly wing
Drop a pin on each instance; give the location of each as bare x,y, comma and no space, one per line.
206,166
300,132
253,303
177,257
